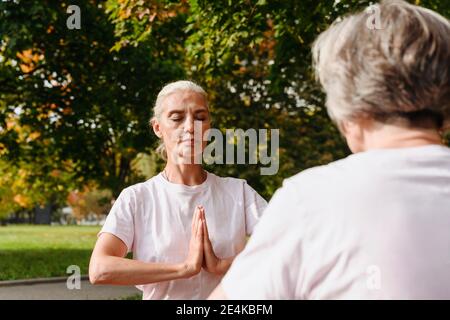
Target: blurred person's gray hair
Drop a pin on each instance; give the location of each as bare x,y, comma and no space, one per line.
401,71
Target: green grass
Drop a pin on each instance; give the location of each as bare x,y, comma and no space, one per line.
44,251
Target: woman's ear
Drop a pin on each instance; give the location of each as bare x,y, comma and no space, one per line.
156,128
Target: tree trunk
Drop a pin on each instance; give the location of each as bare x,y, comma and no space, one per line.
120,181
43,215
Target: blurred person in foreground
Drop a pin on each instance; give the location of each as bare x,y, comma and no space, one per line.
375,225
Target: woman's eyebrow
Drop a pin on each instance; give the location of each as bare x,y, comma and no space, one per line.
171,112
182,111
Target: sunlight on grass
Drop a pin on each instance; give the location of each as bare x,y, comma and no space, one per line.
46,237
28,251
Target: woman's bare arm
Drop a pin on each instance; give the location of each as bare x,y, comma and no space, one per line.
108,265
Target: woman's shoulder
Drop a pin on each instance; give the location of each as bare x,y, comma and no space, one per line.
141,188
321,175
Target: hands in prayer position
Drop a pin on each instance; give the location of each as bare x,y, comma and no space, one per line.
201,253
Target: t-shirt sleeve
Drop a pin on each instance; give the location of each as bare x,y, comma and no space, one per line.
254,208
120,220
268,266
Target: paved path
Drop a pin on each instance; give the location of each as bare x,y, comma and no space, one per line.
55,291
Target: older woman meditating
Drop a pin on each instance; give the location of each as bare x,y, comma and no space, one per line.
185,225
377,223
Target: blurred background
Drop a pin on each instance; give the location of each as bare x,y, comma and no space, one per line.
75,105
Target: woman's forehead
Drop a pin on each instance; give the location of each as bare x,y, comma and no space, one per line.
185,100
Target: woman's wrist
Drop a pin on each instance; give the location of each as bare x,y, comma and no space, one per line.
219,269
186,270
183,270
223,265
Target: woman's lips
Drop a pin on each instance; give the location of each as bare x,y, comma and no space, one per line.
188,141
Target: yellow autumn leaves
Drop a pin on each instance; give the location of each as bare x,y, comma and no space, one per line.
29,59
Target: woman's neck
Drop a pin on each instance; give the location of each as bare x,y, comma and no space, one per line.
398,137
187,174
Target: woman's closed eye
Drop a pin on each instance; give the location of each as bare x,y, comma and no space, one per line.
176,119
201,118
180,118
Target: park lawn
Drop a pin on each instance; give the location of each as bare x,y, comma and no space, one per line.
28,251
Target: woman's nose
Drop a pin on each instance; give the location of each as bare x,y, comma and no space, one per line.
189,125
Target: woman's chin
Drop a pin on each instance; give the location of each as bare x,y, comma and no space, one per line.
187,156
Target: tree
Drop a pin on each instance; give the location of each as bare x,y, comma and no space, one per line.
78,100
89,201
253,57
90,105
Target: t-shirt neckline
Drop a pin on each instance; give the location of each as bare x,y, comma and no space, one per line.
182,187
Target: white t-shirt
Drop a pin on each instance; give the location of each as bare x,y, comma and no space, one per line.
154,218
375,225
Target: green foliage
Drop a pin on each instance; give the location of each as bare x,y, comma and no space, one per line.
81,99
89,201
88,104
253,57
23,185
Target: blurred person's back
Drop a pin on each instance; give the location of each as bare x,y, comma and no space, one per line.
376,225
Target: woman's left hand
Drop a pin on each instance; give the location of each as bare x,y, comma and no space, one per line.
211,262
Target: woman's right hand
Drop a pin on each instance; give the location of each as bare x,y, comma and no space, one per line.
194,260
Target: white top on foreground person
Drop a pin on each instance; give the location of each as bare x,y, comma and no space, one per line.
185,226
151,219
376,224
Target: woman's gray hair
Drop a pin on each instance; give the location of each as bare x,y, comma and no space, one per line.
168,89
401,70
